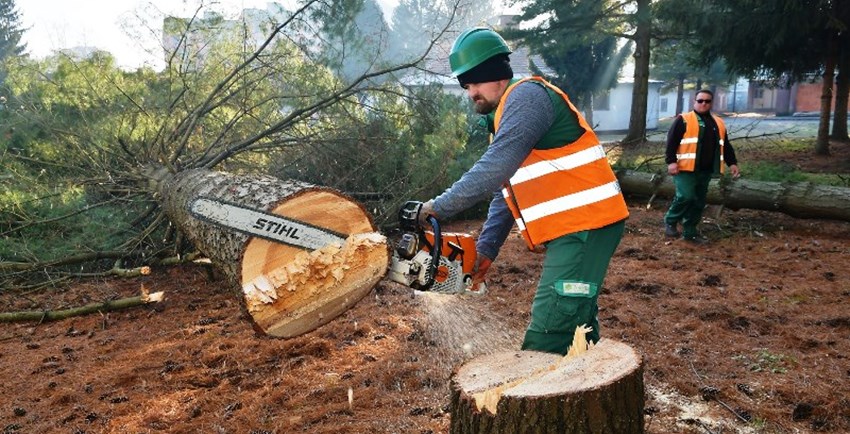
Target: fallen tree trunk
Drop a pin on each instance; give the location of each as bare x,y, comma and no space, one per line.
797,199
287,290
599,391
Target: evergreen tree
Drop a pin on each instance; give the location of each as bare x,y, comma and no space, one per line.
415,23
10,35
676,62
355,36
410,21
590,23
774,41
585,66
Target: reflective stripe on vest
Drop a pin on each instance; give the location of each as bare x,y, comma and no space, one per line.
568,162
571,201
563,190
686,153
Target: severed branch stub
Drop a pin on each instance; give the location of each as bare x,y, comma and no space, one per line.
593,389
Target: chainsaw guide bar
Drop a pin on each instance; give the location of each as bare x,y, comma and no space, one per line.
263,224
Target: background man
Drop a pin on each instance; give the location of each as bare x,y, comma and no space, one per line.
697,148
555,181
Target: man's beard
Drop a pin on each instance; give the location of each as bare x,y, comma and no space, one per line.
482,106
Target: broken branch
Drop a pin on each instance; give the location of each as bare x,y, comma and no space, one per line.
111,305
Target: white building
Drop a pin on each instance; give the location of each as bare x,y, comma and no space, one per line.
612,112
667,102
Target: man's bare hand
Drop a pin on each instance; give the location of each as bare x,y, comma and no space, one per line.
426,210
735,172
482,264
673,168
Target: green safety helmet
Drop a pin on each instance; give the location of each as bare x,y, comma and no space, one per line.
473,47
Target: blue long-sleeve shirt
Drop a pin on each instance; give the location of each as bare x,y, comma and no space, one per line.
527,116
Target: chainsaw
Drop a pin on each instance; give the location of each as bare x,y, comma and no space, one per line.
423,260
432,260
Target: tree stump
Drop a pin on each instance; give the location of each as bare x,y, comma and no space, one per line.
287,290
595,392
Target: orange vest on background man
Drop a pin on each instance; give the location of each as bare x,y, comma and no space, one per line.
686,154
562,190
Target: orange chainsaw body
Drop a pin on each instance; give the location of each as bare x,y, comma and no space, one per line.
456,246
420,264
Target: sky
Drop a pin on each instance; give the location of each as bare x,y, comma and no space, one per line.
60,24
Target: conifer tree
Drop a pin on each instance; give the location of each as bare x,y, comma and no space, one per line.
774,41
590,25
10,34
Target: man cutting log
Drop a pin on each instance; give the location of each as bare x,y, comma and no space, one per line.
550,175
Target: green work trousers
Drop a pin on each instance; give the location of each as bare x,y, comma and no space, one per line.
689,201
573,271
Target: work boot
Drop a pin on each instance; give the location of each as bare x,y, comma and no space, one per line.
696,239
671,231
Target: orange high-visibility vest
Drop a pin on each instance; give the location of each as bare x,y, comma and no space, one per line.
562,190
686,153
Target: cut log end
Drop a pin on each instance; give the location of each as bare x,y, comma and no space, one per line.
287,290
488,400
314,287
599,390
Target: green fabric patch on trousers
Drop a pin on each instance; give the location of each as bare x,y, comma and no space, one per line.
569,288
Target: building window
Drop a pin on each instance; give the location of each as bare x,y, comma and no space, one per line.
663,107
602,102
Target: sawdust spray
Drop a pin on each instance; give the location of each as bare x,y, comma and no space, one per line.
463,328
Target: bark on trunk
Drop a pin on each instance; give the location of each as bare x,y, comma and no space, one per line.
680,92
600,391
822,141
797,199
640,89
842,92
286,290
